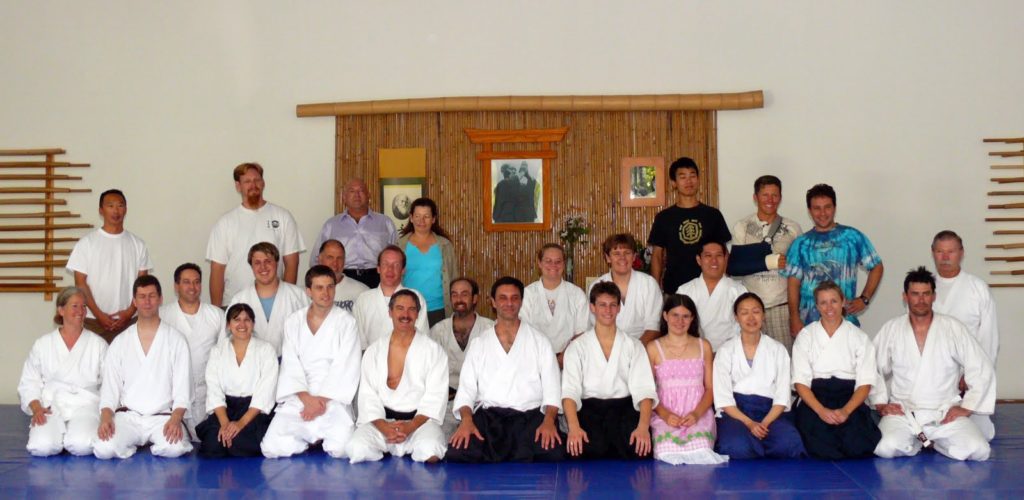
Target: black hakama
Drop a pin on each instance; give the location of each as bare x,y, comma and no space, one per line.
608,424
855,438
245,444
508,437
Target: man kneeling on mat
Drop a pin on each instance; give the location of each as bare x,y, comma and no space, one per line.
510,378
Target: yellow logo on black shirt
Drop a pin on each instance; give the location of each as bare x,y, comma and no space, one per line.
690,231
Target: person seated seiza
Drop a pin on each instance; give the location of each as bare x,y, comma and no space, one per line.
926,346
60,382
752,384
146,389
608,388
273,299
241,376
319,375
834,368
403,391
509,392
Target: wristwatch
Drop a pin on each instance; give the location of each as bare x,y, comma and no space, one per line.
865,299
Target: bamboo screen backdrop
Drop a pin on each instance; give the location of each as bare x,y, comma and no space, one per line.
585,175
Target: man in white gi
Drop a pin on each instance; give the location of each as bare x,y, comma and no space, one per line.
967,298
364,233
371,307
714,293
921,355
556,307
253,221
332,255
202,325
454,333
104,263
273,300
319,375
640,316
766,225
509,390
402,391
146,390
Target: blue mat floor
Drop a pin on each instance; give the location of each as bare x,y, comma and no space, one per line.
315,475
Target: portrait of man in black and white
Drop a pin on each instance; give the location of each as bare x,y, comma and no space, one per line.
517,186
642,182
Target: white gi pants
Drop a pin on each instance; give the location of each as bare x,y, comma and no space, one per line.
960,439
132,430
368,444
288,434
71,429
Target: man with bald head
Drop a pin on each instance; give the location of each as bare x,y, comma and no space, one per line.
363,232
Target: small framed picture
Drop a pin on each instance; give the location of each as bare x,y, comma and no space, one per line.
397,195
518,196
642,181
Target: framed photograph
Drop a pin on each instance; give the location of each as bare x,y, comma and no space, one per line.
642,182
518,192
397,195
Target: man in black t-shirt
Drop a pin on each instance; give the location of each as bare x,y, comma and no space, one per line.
679,231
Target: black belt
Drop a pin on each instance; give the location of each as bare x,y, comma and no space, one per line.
398,415
361,272
126,409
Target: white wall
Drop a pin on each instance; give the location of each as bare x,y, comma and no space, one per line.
887,101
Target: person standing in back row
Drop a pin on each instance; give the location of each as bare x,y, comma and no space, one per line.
679,231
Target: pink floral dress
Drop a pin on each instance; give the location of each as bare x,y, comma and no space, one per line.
680,388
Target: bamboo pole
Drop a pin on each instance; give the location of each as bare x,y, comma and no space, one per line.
1016,258
18,241
1007,246
665,102
44,227
39,215
33,263
38,177
32,201
38,164
43,190
58,251
32,152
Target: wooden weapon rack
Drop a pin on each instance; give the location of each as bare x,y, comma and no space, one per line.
28,178
1010,197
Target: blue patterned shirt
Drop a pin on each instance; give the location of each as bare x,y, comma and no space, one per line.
834,255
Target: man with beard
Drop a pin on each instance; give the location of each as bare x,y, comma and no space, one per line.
454,333
253,221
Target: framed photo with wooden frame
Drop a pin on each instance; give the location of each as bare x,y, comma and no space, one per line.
397,195
517,193
642,181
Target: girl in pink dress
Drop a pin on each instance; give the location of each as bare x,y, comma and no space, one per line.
683,425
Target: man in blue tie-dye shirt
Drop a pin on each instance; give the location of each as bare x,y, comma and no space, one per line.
833,252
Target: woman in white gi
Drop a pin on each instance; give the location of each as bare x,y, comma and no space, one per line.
60,382
273,298
752,384
552,305
834,368
241,376
403,391
607,387
641,296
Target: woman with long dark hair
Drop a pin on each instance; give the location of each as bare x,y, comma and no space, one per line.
430,258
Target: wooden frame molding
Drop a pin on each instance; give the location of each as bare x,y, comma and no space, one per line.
661,102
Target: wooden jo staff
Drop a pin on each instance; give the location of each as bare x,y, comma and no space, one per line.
1016,258
1007,246
1006,205
1014,272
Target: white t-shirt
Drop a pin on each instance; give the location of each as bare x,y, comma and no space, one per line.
111,262
239,229
346,292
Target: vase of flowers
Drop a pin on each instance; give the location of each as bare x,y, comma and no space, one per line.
572,233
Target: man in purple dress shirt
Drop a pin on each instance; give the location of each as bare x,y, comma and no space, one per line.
363,232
